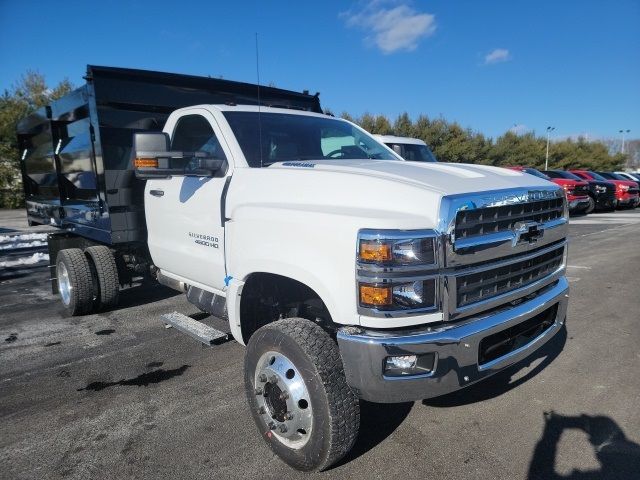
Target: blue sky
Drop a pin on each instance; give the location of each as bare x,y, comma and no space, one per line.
489,65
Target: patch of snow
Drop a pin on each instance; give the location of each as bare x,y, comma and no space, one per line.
10,246
31,260
23,237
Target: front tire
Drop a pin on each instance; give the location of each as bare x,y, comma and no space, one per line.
298,394
75,282
592,205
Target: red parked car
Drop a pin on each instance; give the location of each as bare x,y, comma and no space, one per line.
626,190
575,190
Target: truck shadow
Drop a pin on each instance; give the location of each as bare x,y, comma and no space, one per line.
503,382
377,422
618,456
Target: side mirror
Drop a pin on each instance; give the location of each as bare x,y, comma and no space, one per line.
202,166
152,158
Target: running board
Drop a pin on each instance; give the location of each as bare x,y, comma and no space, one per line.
198,330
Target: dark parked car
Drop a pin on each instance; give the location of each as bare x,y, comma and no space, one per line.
611,176
574,190
602,195
626,190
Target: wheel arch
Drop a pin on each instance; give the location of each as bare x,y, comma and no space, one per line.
263,297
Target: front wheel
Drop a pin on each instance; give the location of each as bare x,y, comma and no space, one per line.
298,394
592,205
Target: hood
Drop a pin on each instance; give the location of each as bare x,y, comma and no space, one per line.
443,178
379,193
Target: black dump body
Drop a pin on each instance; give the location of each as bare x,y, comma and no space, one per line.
75,153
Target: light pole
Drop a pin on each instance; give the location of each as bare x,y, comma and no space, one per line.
623,132
546,162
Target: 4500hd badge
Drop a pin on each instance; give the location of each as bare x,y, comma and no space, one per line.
204,240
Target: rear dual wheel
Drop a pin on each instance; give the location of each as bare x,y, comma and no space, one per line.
298,394
106,276
87,280
75,281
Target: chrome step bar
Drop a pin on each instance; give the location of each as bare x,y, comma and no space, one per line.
198,330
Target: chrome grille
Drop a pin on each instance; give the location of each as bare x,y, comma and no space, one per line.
488,283
487,220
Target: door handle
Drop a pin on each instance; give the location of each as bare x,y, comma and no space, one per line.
156,193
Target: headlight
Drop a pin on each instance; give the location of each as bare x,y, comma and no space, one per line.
400,295
397,247
397,271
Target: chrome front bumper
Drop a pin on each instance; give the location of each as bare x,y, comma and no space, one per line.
578,205
455,347
625,202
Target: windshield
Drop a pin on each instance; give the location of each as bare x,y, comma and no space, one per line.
611,176
563,174
287,137
413,152
596,176
533,171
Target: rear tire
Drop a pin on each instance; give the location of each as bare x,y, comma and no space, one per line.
106,271
75,282
317,422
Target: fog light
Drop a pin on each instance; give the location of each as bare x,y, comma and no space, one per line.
404,362
406,365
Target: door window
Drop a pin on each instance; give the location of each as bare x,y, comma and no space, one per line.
193,133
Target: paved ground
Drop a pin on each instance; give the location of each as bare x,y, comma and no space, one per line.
115,395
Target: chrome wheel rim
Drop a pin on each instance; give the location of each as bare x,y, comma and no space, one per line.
64,284
283,400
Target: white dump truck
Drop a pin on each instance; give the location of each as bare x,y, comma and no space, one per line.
347,272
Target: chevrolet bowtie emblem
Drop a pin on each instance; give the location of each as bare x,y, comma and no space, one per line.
528,232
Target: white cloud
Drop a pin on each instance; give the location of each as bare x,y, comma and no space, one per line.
496,56
393,29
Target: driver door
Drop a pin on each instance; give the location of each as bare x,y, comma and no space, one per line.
185,230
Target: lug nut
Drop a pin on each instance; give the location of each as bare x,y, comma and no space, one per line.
258,391
272,426
289,416
262,410
284,395
262,378
283,428
273,379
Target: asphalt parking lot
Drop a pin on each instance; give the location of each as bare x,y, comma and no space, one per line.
116,395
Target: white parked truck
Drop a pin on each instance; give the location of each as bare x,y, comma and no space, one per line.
409,148
348,273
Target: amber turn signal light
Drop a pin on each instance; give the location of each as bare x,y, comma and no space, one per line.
373,251
145,163
375,296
